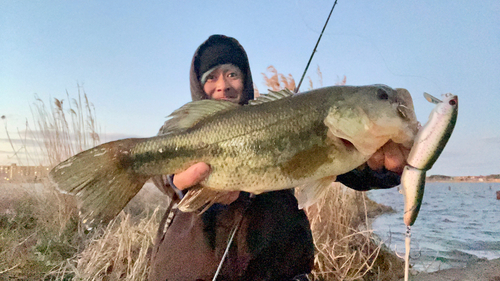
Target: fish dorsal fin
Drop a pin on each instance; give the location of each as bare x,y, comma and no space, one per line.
431,98
193,112
271,96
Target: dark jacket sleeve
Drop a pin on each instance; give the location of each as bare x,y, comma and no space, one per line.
363,179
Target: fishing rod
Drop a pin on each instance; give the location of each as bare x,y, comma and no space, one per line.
315,47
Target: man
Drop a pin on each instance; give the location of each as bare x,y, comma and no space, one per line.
274,240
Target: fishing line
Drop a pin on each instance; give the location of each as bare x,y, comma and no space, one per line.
235,228
229,242
371,44
315,47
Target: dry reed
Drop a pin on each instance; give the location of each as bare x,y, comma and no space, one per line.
121,252
40,233
277,81
59,136
343,252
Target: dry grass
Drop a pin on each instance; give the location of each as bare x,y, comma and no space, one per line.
39,241
121,252
37,230
40,234
343,251
59,136
277,81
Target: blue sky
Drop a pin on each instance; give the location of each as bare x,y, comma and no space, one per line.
133,58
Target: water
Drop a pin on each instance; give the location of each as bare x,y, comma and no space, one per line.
458,223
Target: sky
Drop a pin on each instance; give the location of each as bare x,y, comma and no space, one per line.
132,59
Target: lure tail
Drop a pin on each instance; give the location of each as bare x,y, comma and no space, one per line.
413,181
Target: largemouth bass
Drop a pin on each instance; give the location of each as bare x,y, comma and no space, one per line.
278,142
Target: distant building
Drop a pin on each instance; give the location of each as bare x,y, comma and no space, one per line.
14,173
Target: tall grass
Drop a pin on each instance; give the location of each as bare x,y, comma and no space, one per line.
345,247
277,81
39,226
121,252
62,132
40,233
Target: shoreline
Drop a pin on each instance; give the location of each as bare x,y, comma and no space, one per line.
480,270
442,178
459,180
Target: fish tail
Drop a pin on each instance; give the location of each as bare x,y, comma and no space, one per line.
101,178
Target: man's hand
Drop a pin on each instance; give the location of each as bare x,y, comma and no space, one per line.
197,173
392,156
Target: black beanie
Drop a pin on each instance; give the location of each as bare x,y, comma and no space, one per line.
216,52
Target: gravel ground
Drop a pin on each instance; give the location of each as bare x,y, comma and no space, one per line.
485,270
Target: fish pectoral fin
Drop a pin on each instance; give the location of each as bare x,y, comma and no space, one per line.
200,198
308,194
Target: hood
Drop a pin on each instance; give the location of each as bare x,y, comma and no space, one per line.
219,49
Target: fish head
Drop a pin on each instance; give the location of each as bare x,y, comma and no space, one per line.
370,116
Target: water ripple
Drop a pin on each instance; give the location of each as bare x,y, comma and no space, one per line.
458,223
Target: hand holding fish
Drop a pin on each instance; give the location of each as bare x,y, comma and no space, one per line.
196,174
392,156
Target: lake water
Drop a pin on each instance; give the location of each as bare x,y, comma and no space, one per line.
458,223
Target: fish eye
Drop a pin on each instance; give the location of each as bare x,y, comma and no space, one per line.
452,102
382,94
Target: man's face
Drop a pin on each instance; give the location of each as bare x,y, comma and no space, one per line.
225,83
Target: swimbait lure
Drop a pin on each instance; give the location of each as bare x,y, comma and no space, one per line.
428,145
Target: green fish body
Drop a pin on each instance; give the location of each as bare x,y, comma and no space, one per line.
278,142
